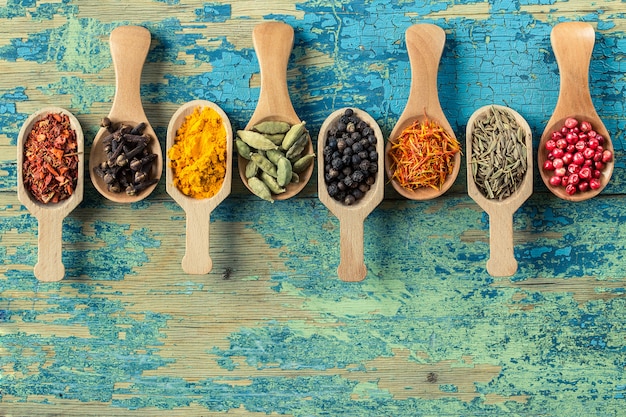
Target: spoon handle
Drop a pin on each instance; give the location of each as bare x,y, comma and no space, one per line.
502,262
129,49
425,44
197,259
351,264
49,267
572,43
273,42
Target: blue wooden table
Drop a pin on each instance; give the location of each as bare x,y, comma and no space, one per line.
427,333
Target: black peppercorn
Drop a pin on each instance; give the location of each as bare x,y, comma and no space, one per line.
349,200
358,176
350,158
337,163
357,193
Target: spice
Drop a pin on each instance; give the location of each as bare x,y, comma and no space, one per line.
50,167
350,158
499,153
274,153
198,155
576,157
128,160
423,155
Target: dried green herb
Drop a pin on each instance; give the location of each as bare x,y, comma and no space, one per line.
498,159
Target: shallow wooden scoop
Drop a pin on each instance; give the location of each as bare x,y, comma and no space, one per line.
129,48
351,266
572,43
50,216
425,44
197,259
501,258
273,42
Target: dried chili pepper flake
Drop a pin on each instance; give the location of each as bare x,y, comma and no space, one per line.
50,167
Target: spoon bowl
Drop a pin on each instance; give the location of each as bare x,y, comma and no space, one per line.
273,42
352,266
502,261
129,48
572,43
197,258
425,43
49,267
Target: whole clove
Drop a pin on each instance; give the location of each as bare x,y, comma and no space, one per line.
128,160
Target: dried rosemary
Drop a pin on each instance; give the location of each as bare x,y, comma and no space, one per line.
498,154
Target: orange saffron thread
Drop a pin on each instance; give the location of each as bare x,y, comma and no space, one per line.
423,155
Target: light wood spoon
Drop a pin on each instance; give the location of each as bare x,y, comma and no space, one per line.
502,260
129,48
572,43
425,44
351,217
49,267
273,42
197,258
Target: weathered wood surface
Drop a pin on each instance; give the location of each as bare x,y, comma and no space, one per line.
427,333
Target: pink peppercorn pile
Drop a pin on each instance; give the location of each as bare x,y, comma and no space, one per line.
576,157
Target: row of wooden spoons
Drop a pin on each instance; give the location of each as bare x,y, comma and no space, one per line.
273,41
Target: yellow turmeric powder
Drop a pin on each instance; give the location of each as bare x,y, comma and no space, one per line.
198,155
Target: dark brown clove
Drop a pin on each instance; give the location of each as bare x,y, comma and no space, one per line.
128,160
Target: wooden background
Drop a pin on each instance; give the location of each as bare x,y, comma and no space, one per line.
427,333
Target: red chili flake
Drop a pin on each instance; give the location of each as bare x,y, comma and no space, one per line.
50,168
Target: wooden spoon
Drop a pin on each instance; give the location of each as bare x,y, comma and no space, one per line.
197,259
425,44
129,48
273,42
351,265
50,216
501,258
572,43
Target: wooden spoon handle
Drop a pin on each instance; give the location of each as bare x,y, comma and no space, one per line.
502,262
273,42
425,44
197,259
351,264
49,267
129,48
572,43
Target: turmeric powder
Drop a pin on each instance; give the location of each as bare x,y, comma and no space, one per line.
198,155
